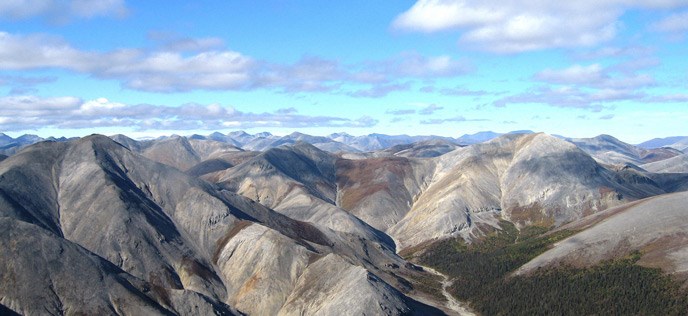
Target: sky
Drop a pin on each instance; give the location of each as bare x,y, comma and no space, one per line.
443,67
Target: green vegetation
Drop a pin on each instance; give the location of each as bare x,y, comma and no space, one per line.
427,283
481,276
617,287
488,260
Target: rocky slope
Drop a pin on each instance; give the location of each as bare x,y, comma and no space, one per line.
678,164
526,179
147,238
609,150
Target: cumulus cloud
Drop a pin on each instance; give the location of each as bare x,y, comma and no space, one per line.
32,112
524,25
591,87
184,65
61,10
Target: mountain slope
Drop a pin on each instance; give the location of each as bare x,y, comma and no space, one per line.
678,164
43,273
609,150
423,149
298,181
186,239
657,227
527,179
380,191
662,142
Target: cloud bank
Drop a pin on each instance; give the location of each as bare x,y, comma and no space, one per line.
201,64
30,112
527,25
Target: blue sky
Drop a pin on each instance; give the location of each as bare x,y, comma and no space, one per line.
148,68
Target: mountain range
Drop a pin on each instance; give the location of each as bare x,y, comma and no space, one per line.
268,225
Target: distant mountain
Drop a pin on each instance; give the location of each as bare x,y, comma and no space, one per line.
9,145
678,164
421,149
4,139
681,145
662,142
377,142
609,150
481,137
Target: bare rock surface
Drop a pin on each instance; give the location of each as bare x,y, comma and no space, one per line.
678,164
527,179
192,245
609,150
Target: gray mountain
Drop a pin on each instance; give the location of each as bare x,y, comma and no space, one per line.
133,145
609,150
376,142
423,149
324,143
681,145
4,139
677,164
662,142
481,137
526,179
298,181
10,146
141,237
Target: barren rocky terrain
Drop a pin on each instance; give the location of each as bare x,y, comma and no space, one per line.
294,225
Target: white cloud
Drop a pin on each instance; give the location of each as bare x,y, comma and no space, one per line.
40,51
184,68
100,105
31,112
524,25
595,76
438,15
